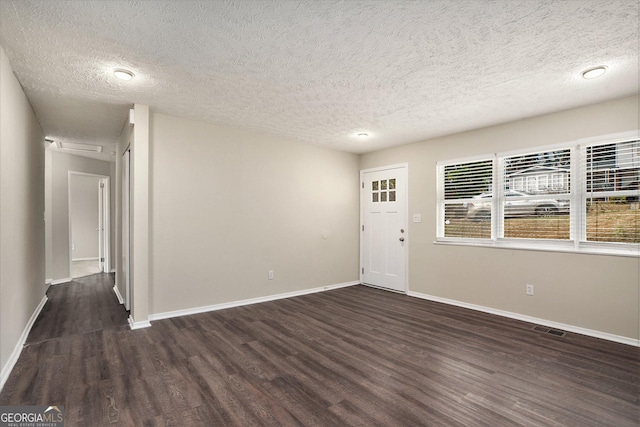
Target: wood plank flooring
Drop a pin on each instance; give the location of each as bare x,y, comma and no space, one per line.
355,356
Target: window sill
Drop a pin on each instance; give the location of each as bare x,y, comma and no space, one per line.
588,248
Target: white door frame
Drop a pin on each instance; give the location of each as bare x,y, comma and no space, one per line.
364,194
104,211
126,226
105,245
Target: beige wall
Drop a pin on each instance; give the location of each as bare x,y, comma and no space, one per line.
61,164
22,234
596,292
227,206
84,216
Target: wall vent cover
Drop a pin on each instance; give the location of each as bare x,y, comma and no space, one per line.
545,330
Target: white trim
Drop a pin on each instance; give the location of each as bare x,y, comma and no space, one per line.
115,289
61,281
17,350
232,304
48,282
138,325
85,259
549,323
585,248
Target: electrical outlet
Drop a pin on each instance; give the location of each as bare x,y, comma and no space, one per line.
270,274
529,290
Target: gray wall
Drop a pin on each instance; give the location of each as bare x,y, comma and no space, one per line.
62,163
22,233
596,292
84,216
228,205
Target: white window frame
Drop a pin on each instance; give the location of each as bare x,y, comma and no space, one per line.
577,242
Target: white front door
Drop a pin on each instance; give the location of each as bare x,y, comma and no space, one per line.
383,247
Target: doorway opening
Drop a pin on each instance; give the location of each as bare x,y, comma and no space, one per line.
89,220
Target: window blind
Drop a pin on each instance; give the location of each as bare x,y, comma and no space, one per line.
466,199
536,198
612,175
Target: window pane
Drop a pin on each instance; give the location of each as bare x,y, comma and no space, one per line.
613,219
613,167
536,219
457,223
547,172
467,180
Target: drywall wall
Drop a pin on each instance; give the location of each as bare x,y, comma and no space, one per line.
595,292
22,234
48,216
84,192
227,206
61,165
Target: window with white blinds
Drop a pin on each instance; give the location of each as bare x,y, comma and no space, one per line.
612,174
580,197
465,186
536,197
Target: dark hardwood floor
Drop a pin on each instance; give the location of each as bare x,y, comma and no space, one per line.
354,356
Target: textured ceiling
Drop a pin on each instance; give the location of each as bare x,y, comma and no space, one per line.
317,71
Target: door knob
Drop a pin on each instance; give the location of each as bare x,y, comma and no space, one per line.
402,239
402,230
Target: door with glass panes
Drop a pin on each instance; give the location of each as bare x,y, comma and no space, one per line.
384,236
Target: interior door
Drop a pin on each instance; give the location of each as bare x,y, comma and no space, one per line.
384,227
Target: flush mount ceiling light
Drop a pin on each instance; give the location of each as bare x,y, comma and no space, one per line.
595,72
363,135
123,74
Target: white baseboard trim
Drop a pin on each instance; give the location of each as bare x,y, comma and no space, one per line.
48,282
120,299
15,355
214,307
138,325
61,281
548,323
85,259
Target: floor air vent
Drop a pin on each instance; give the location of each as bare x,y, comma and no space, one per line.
549,331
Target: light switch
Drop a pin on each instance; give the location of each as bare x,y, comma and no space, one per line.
417,218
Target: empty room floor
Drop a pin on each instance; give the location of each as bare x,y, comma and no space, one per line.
84,268
352,356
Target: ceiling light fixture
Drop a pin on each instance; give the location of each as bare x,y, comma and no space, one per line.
363,135
595,72
123,74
